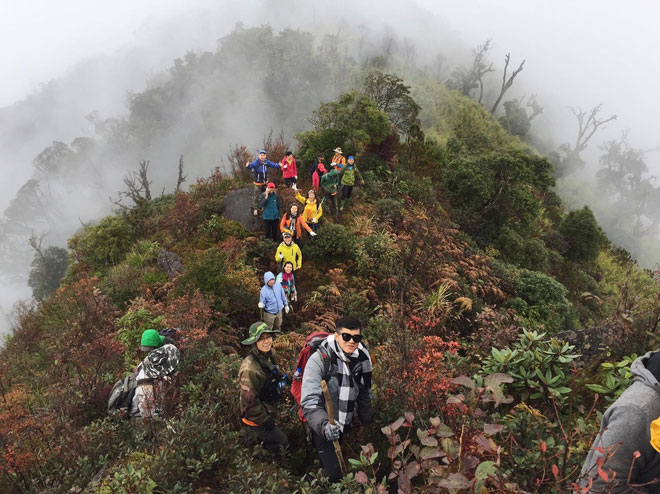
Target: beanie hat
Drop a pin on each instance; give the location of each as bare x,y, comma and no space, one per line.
351,157
151,339
262,151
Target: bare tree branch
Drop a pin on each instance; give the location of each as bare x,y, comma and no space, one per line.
181,178
506,83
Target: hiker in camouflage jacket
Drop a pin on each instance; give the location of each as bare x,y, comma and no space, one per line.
257,376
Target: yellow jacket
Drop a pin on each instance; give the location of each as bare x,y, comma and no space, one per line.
287,253
311,211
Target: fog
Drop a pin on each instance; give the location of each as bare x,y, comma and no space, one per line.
71,58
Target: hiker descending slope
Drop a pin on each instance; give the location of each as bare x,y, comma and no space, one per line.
345,365
295,223
329,184
272,300
160,362
288,251
289,170
338,160
259,169
348,181
262,385
288,282
312,211
318,172
271,204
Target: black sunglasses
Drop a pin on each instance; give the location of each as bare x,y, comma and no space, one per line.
357,338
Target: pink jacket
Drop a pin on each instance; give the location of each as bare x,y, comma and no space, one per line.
316,176
291,169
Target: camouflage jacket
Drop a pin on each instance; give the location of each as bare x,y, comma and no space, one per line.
251,378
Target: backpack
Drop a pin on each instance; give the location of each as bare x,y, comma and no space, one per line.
275,381
312,343
123,392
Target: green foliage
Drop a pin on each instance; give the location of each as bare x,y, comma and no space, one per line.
526,253
615,378
333,241
131,326
389,211
583,236
376,254
540,367
218,228
351,122
497,189
48,268
104,244
393,97
515,120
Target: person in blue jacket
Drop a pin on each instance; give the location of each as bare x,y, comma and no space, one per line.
272,300
259,169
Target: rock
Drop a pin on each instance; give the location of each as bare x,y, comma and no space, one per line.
237,206
170,262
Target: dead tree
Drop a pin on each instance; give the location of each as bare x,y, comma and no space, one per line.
588,124
137,184
181,178
506,83
468,80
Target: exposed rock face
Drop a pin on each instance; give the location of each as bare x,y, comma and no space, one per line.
237,206
170,262
591,343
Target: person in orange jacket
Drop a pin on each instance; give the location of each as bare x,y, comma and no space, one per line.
295,223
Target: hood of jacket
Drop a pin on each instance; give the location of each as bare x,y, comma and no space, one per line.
642,374
268,275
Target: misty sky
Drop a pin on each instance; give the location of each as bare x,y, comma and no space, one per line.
578,53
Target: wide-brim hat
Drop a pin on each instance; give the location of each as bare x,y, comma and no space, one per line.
338,150
161,361
255,332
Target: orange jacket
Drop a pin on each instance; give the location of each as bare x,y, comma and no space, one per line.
285,222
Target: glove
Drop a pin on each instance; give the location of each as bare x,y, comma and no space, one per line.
286,309
313,234
281,256
269,424
296,177
332,432
261,305
314,220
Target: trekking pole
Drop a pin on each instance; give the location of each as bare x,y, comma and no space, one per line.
331,419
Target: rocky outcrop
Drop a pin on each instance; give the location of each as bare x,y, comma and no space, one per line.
237,206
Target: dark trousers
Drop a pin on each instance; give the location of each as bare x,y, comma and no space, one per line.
272,229
328,457
273,440
332,199
346,192
256,192
290,181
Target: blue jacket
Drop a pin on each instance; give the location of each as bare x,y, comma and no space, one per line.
273,297
272,205
260,170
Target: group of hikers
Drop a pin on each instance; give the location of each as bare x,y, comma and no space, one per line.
333,376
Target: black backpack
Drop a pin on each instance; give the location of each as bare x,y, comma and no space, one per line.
271,390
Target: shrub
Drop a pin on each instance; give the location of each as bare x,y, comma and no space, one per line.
333,241
48,268
376,254
218,228
104,244
546,297
389,211
582,235
526,253
137,319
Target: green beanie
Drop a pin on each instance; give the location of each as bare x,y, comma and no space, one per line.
151,338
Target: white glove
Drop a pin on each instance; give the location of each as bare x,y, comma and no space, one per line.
286,309
261,305
314,220
332,432
281,256
313,234
296,177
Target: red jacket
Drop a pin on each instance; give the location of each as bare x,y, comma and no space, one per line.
291,170
316,176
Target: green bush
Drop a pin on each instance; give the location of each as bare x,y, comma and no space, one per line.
131,326
48,268
376,254
104,244
582,235
527,253
333,241
546,298
389,211
218,228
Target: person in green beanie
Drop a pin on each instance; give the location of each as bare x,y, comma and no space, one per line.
261,387
348,174
157,366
